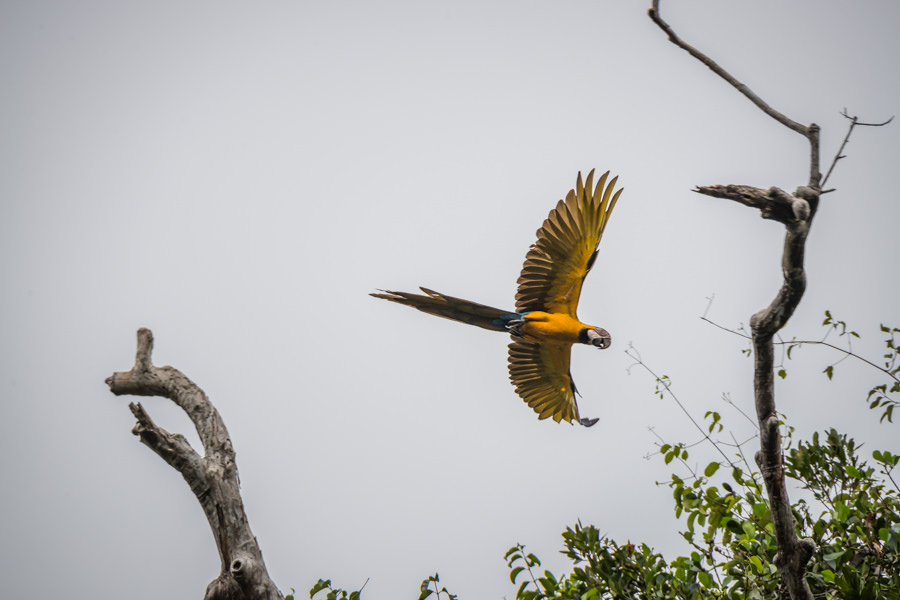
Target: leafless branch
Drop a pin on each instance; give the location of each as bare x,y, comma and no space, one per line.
795,212
213,477
810,132
854,121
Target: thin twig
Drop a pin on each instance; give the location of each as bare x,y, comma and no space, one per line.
753,422
681,460
744,458
633,354
854,121
793,553
822,342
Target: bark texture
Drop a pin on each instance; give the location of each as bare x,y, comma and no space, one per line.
212,477
795,211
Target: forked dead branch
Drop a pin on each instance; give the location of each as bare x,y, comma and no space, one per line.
212,477
796,212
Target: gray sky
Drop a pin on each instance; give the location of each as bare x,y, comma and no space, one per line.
238,176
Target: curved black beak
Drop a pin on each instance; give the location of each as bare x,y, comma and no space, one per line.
599,337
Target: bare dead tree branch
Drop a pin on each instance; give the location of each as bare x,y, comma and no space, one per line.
854,121
795,212
774,203
213,477
810,132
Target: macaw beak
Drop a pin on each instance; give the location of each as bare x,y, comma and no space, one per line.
599,337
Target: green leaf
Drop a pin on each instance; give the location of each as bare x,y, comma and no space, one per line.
829,371
704,578
510,552
782,373
515,573
322,584
424,588
760,509
711,469
690,522
756,563
748,528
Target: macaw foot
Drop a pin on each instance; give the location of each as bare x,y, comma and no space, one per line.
589,422
515,327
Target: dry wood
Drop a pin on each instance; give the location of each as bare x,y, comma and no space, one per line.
212,477
795,212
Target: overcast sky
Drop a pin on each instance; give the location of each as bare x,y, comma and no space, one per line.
238,176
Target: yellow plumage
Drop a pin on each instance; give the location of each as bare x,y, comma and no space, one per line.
544,324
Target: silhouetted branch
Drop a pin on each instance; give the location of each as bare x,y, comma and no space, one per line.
854,121
774,203
213,477
810,132
794,342
796,213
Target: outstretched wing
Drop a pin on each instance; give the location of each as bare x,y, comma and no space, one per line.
566,247
540,374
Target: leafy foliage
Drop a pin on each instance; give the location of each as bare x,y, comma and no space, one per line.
426,591
883,396
324,585
332,593
858,528
880,396
851,513
853,517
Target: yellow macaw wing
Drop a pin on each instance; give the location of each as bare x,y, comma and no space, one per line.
540,374
566,247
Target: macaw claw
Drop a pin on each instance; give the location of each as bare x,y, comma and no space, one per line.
515,327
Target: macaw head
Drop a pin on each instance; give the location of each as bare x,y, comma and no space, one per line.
599,337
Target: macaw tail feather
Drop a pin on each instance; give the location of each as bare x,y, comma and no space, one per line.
455,309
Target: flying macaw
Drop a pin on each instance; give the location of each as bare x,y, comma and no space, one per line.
544,325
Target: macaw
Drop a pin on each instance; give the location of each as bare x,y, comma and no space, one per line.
544,326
